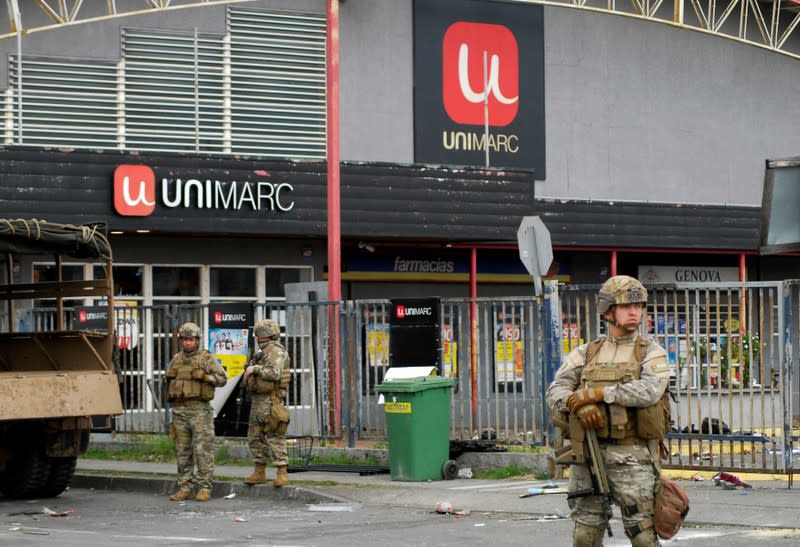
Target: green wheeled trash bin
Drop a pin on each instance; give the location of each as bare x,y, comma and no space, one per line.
417,414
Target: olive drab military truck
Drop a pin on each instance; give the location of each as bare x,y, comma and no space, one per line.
57,380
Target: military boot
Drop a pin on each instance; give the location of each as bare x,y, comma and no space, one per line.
182,495
281,477
257,476
203,495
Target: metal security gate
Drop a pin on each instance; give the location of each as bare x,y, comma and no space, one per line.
731,348
490,347
732,368
148,339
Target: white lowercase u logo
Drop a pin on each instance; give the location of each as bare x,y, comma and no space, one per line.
134,190
492,85
463,73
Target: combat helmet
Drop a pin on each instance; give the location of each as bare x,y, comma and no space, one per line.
620,289
267,328
189,330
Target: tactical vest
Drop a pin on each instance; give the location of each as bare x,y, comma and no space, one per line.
622,422
185,388
255,384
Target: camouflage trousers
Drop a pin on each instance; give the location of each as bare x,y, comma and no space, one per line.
264,444
632,480
193,429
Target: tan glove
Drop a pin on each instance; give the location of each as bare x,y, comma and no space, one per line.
198,374
591,416
171,374
581,397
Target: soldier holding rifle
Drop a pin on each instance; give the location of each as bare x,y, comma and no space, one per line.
612,387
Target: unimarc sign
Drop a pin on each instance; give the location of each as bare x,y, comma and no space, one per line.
136,193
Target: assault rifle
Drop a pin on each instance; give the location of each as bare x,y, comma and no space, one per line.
584,448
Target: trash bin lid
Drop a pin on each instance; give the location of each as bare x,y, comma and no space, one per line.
412,385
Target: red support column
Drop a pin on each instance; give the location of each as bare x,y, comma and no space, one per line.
473,338
613,271
742,268
334,211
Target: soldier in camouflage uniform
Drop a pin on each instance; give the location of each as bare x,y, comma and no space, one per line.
266,378
192,376
611,395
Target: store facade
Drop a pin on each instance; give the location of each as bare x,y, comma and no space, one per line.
200,108
197,229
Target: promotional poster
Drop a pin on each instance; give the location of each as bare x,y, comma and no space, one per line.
229,335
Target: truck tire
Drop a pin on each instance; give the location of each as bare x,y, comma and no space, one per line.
60,476
26,474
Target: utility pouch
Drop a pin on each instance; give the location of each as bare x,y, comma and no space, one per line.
259,385
650,422
278,421
576,437
618,419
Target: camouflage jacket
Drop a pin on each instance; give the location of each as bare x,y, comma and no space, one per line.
643,392
273,360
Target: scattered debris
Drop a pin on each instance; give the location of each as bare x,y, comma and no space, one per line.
557,516
334,507
444,507
240,519
52,513
729,481
465,473
697,478
229,496
549,488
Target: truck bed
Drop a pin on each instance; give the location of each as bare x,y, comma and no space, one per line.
56,374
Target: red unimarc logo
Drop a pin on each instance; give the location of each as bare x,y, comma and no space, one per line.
82,316
217,317
400,312
467,79
134,190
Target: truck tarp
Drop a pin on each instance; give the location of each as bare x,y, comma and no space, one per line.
31,236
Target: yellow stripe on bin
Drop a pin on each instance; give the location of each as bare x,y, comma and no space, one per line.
397,408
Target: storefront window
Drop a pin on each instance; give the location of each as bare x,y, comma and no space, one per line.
232,282
48,272
176,281
277,277
127,279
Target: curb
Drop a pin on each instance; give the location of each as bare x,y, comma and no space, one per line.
165,487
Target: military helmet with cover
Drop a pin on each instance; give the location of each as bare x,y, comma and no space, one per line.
189,330
620,289
267,328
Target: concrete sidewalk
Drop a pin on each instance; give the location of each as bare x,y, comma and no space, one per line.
768,504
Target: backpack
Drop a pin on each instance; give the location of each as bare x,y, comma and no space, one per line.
659,422
671,508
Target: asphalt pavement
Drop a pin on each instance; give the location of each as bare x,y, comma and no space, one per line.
767,504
